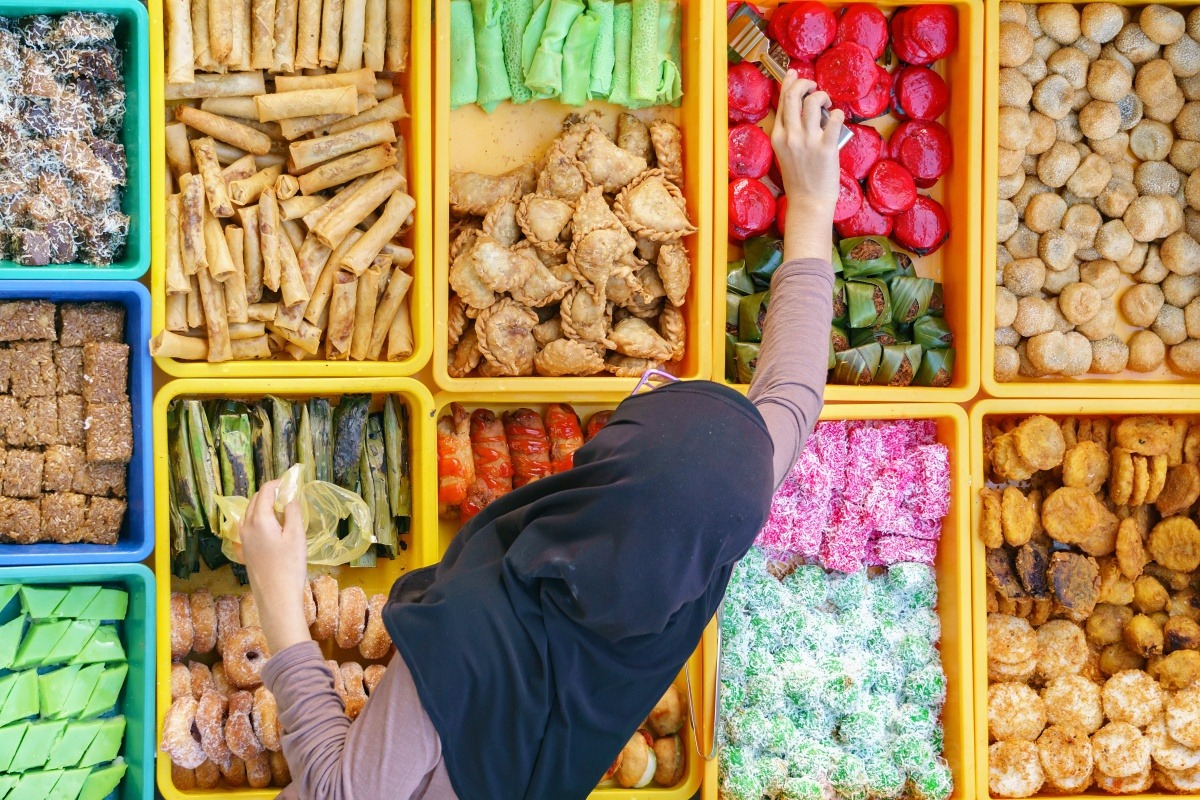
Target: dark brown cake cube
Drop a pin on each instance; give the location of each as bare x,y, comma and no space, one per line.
35,375
68,361
41,421
23,473
63,517
103,522
62,464
105,372
20,520
27,321
109,431
100,479
71,410
91,322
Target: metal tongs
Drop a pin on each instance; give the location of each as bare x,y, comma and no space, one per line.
746,38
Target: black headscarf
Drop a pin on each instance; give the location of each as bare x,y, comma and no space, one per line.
561,613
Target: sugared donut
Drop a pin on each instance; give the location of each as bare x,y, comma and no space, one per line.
310,606
180,740
235,775
202,678
229,618
372,675
249,611
265,717
181,627
375,641
184,779
244,655
210,721
181,681
352,681
325,594
352,617
280,774
258,771
207,776
204,621
239,730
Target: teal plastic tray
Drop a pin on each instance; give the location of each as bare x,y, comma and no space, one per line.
137,633
133,35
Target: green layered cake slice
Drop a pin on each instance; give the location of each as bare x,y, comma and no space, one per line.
107,744
101,782
7,592
110,604
35,746
69,785
54,688
22,701
79,634
81,691
38,642
7,782
11,634
35,785
39,602
104,647
108,689
77,600
10,741
73,743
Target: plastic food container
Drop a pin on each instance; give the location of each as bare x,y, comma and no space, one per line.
131,38
586,404
417,131
422,543
954,563
137,533
1161,383
958,192
469,139
137,634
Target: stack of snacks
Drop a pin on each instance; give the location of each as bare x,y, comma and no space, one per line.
1092,626
575,265
62,106
832,685
64,668
66,422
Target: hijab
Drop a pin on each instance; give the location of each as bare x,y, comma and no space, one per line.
562,612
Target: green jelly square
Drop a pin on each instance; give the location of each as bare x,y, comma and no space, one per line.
107,690
35,785
6,686
38,642
107,744
101,782
10,740
35,747
73,743
77,600
7,592
7,782
54,688
102,648
81,691
69,784
110,604
78,635
22,701
11,634
39,602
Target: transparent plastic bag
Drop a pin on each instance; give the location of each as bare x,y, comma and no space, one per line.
322,506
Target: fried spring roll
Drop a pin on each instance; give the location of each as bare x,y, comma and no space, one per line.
232,84
226,130
195,308
398,207
331,33
242,108
201,52
179,152
297,207
310,152
246,330
268,238
252,348
341,316
375,34
191,224
247,191
262,34
286,187
390,110
384,88
286,17
400,335
291,282
236,302
334,203
306,103
334,226
220,262
398,23
295,233
181,59
317,304
216,318
168,344
401,256
289,318
346,168
363,81
393,297
295,128
252,253
205,153
241,35
175,312
262,312
176,280
239,170
364,307
308,36
308,338
354,20
313,256
220,30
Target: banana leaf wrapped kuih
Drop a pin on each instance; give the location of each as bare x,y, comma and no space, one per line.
884,334
366,490
869,302
395,446
866,256
732,301
836,260
237,455
737,280
932,333
185,500
898,365
937,367
746,360
832,355
752,315
857,366
937,303
204,458
260,442
304,445
910,298
838,339
283,435
387,537
349,430
904,264
841,309
763,255
320,421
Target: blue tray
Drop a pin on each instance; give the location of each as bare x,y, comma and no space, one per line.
137,533
133,36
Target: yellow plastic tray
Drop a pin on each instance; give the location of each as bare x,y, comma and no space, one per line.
415,85
469,139
959,192
423,549
1162,383
1084,407
585,404
954,593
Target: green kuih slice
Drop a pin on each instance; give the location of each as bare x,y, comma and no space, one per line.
104,647
73,743
81,691
10,742
54,688
35,785
101,782
107,744
544,76
35,747
77,600
645,64
7,783
11,634
109,605
622,35
489,54
39,602
23,701
108,689
7,592
79,633
69,784
514,18
38,642
464,73
577,59
604,53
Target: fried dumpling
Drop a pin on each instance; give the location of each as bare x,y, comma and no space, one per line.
673,329
608,165
474,193
653,207
456,320
569,357
548,331
586,316
505,332
668,149
634,337
634,137
500,268
622,287
465,279
542,287
500,222
562,175
628,366
675,271
465,355
544,220
601,241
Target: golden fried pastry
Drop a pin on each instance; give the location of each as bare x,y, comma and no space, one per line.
1066,758
1073,701
474,193
325,592
1062,649
1117,657
1147,436
1141,481
1086,466
1175,544
1157,466
1178,670
201,678
352,617
1131,554
546,332
1107,624
1007,463
204,621
1014,712
239,729
586,317
569,357
634,137
545,220
249,610
1017,517
264,716
991,530
1040,443
673,329
654,208
355,697
633,337
1120,750
500,222
1131,696
465,279
563,175
675,271
181,681
668,149
244,656
1014,769
280,774
1181,490
181,626
1191,444
376,641
210,724
505,332
235,775
207,776
1143,635
628,366
542,287
1121,476
609,166
1071,515
457,323
500,268
466,355
178,741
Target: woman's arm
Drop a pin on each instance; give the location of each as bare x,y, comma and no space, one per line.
789,382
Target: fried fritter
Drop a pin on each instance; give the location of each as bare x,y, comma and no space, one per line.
1117,656
1073,701
1120,478
1141,481
1175,543
1007,463
1014,769
1014,712
1017,517
1115,588
1181,633
1066,758
1191,444
1131,554
1179,430
1183,716
1085,466
1132,696
1075,583
1120,750
1143,636
1039,441
1062,649
1100,433
1179,670
1070,431
1147,436
1010,640
1000,574
990,530
1180,491
1031,562
1149,595
1107,624
1071,515
1157,466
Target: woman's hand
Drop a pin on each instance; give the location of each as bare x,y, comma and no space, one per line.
276,559
808,163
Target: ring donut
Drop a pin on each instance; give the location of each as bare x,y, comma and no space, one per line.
258,771
356,696
265,717
325,594
207,776
352,617
310,606
249,611
235,775
239,731
375,641
372,675
201,677
204,621
210,721
229,618
181,626
220,679
339,685
183,778
244,655
280,774
181,681
180,740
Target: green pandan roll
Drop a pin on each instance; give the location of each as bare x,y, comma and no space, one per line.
645,64
622,38
533,36
577,59
464,77
513,22
604,53
489,54
546,72
670,84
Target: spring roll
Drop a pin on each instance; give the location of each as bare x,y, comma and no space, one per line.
262,34
307,338
247,191
318,303
179,152
394,296
294,232
312,256
286,17
398,23
364,307
295,128
205,153
242,108
236,302
220,30
176,280
400,336
239,170
340,332
354,20
306,103
331,33
291,282
398,207
175,312
390,110
227,154
239,56
220,261
375,34
268,238
297,207
169,344
216,320
181,59
224,129
363,81
384,88
289,318
251,253
262,312
286,187
333,203
231,84
246,330
308,35
346,168
201,53
191,224
195,309
310,152
401,256
334,226
251,349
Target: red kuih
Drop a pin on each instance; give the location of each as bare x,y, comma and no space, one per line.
749,93
890,187
864,24
750,152
923,228
919,93
751,208
925,150
804,70
803,30
867,222
924,34
862,151
846,71
850,198
876,102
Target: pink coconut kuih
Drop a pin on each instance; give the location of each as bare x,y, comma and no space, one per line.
863,493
